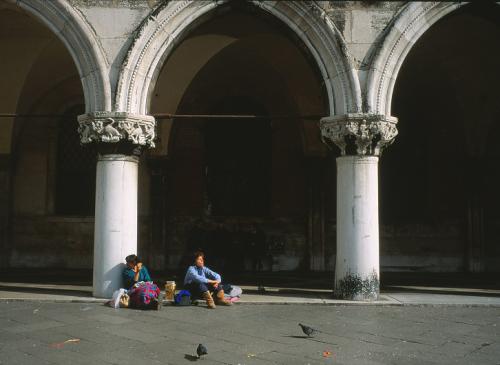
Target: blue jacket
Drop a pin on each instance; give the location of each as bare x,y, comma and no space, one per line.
200,275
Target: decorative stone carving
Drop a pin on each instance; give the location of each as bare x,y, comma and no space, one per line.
157,37
112,127
367,134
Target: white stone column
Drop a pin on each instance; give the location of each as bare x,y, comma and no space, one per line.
360,138
120,138
357,265
115,232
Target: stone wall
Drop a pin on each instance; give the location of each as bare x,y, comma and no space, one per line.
361,23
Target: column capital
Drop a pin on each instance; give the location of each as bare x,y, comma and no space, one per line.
112,127
359,133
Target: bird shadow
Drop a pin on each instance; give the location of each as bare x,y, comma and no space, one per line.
297,336
190,357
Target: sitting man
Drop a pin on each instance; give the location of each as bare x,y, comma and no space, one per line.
202,282
143,293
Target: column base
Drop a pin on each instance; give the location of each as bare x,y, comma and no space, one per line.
355,287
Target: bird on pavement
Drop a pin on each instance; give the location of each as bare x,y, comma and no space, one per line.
309,331
201,350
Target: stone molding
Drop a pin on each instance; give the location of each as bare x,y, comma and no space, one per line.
169,23
113,127
386,57
367,134
68,24
118,157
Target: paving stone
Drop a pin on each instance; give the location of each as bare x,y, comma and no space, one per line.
491,349
9,337
135,334
479,359
61,316
111,319
16,357
94,334
58,355
34,326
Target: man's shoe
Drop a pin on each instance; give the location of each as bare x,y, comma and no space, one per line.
208,298
221,299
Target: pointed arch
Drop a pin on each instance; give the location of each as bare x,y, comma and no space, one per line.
386,57
79,38
163,29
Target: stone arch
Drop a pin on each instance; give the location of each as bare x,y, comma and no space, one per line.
387,56
79,38
159,34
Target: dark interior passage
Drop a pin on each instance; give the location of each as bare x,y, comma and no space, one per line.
47,181
238,187
439,194
238,182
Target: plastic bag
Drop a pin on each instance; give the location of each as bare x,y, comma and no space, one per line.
117,298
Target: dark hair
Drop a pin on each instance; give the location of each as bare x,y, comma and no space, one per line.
197,254
132,259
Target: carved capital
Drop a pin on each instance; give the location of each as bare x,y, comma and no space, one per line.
113,127
361,134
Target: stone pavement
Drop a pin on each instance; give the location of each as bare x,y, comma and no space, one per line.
91,333
445,321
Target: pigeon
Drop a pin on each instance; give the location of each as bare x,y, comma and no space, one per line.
309,331
201,350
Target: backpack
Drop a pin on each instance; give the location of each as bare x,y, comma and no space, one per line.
182,298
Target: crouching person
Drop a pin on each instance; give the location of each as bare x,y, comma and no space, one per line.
203,282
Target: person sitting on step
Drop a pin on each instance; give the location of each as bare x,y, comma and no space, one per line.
134,272
143,292
202,282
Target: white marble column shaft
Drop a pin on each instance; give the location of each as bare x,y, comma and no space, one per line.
115,234
357,263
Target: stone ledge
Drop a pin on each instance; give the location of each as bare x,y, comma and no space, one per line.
25,292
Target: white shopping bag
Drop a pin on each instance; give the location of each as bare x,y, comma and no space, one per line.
115,299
